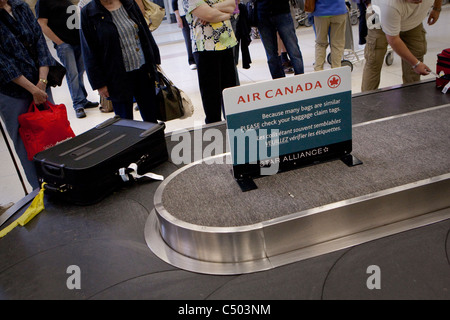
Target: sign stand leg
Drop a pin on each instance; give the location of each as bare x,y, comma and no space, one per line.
351,160
246,184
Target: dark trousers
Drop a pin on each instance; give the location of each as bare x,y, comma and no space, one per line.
143,90
362,22
216,71
187,40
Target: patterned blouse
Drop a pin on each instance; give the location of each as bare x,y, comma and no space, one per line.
15,59
212,36
133,57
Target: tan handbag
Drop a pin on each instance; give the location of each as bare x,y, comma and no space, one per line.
188,107
154,14
310,5
173,103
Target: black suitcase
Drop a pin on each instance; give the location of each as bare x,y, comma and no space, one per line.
85,169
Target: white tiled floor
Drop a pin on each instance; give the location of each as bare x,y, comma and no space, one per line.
174,63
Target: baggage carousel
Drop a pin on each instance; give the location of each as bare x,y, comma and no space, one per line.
309,233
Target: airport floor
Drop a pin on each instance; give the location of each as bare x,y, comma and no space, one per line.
175,65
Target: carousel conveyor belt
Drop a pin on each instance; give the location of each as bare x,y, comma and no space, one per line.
203,221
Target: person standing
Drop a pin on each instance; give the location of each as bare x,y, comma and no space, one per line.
53,17
213,41
400,25
274,16
120,55
362,25
234,24
24,61
180,15
330,18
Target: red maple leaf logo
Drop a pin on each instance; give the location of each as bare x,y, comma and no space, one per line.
334,81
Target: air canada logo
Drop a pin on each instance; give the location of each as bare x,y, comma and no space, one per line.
334,81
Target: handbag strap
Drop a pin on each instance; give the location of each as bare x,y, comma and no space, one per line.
33,107
161,77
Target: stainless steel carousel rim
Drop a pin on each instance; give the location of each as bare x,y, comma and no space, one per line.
164,233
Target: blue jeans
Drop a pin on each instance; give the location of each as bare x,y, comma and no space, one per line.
10,109
187,40
71,58
268,27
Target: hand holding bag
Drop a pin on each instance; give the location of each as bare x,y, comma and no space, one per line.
42,129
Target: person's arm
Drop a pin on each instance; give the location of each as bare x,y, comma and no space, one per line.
39,95
402,50
43,22
178,17
391,21
435,12
43,73
177,13
92,55
212,15
227,6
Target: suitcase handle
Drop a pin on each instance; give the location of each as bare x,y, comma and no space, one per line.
108,122
153,129
62,188
53,169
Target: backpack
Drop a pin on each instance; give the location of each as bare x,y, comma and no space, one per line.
443,64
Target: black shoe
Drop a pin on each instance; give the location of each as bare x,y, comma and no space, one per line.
80,113
287,66
90,104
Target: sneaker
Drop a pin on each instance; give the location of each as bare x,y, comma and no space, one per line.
80,113
193,66
90,104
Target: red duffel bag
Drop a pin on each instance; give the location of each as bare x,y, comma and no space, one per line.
42,129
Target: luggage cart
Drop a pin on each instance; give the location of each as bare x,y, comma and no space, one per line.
351,55
354,12
299,13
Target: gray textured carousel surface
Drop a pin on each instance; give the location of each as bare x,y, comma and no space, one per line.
309,233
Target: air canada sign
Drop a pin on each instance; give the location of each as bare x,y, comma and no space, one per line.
288,121
279,92
294,89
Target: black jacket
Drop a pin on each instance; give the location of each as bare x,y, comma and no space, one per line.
100,45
